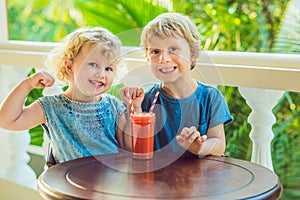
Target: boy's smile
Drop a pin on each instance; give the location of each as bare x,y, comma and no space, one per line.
167,69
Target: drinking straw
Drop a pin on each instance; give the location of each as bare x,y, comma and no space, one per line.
154,101
130,103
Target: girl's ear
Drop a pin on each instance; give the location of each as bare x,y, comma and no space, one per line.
194,57
68,66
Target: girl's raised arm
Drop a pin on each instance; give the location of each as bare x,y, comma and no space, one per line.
13,114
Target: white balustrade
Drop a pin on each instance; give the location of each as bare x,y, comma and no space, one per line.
14,158
19,171
261,101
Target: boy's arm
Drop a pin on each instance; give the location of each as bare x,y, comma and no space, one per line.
214,143
13,114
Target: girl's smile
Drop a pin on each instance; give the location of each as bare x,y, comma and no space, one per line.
97,84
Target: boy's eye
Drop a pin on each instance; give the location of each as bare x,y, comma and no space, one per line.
172,49
154,51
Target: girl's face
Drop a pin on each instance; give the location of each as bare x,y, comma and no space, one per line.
170,58
91,73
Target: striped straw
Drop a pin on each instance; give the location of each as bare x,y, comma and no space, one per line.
154,101
130,103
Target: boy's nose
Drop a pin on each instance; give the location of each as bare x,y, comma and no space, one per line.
164,56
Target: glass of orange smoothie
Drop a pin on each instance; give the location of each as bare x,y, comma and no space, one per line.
142,127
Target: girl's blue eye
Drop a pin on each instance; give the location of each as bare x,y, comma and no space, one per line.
109,69
93,64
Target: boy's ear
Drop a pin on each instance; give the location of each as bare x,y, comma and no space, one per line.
68,66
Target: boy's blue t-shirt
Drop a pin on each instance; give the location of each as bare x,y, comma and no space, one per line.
203,109
81,129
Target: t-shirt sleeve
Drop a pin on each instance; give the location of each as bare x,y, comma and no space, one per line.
118,105
44,102
219,109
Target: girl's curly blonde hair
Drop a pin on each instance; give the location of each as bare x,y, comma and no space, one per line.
71,45
173,25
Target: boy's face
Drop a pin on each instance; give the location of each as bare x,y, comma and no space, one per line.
170,58
92,72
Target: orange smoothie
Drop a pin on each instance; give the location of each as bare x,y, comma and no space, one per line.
142,126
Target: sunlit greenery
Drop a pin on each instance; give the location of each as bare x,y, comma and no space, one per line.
227,25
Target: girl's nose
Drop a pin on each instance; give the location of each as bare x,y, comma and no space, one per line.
101,73
164,56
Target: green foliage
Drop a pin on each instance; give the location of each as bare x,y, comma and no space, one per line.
233,25
41,20
37,135
237,133
286,142
287,40
115,90
125,19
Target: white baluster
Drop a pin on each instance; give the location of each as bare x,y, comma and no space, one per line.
4,146
19,171
14,158
261,101
4,156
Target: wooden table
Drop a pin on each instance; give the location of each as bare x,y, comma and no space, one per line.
167,176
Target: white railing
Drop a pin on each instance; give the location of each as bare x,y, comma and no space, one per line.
261,78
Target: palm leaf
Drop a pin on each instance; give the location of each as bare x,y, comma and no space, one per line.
288,39
124,18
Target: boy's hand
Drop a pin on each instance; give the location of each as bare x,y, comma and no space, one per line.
41,80
190,139
136,94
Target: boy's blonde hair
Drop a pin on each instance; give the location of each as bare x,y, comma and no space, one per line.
70,47
173,25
